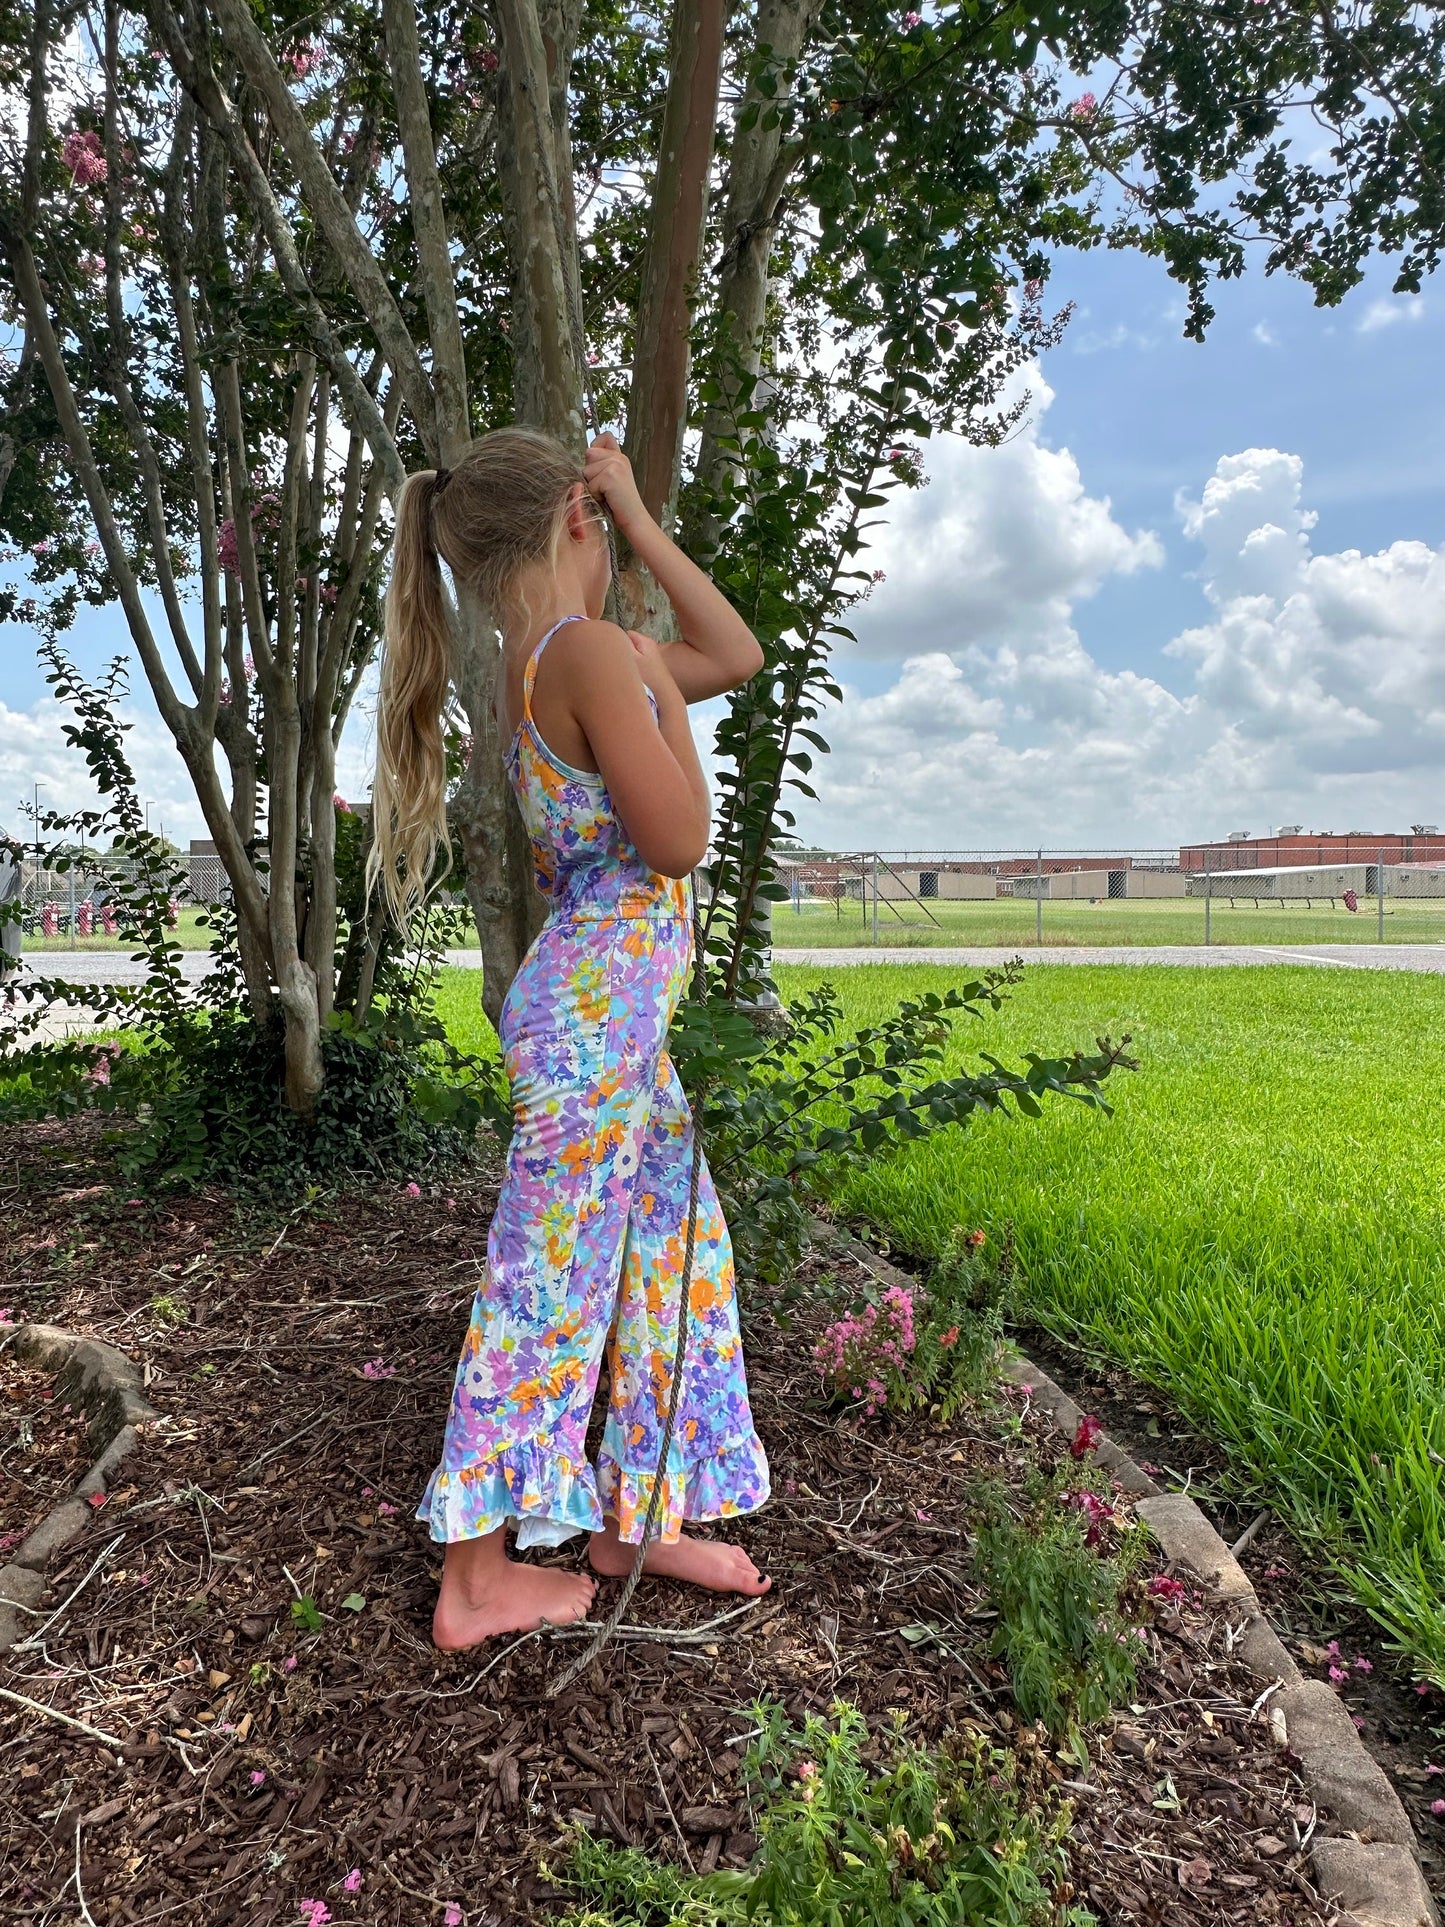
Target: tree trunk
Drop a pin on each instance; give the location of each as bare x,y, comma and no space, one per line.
758,169
657,405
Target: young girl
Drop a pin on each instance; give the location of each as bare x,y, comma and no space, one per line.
585,1252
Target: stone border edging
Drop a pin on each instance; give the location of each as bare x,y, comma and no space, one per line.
103,1383
1376,1878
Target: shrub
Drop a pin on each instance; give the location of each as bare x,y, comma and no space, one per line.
1068,1647
856,1832
908,1348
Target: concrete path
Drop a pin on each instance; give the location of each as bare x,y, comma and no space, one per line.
115,967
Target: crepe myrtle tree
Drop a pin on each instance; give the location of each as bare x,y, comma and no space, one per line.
812,234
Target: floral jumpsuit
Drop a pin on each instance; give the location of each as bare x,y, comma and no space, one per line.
590,1228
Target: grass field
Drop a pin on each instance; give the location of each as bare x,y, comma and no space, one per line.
1259,1228
1005,921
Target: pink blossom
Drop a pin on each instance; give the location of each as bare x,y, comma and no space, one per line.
1032,290
315,1913
490,61
97,1499
378,1368
1437,1806
290,1663
227,554
1358,1721
949,1338
1083,107
1363,1665
42,548
84,156
1338,1675
413,1190
976,1238
1274,1572
1163,1587
328,593
1086,1437
352,1882
258,1778
1431,1769
7,1316
301,59
1333,1649
339,802
911,20
384,1509
452,1917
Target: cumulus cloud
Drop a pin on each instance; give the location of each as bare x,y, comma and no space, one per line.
995,551
1315,690
1390,310
33,750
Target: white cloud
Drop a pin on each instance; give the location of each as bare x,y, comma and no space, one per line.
33,750
1315,690
1389,310
995,551
1265,335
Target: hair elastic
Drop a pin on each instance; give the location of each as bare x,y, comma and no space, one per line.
443,476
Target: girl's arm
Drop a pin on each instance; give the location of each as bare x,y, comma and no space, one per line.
717,651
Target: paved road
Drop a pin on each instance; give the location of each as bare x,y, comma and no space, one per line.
114,967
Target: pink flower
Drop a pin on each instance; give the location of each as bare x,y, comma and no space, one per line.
1358,1721
97,1499
1164,1587
384,1509
1338,1675
413,1190
1431,1769
949,1338
489,61
7,1316
378,1368
976,1238
42,548
1437,1806
1422,1687
301,59
1274,1572
1363,1665
352,1882
452,1917
227,554
339,802
1333,1649
290,1665
911,20
84,156
258,1778
1083,107
1087,1436
315,1913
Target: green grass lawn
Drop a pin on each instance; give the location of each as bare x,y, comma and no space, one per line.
1258,1228
1003,921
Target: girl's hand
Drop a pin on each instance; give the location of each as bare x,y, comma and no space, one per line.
608,475
650,660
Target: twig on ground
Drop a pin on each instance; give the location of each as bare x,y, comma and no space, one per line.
657,1775
65,1719
33,1639
1247,1537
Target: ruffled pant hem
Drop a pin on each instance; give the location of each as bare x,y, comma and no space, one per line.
551,1498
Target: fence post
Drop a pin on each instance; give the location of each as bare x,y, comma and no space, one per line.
1380,897
1208,891
875,896
1039,900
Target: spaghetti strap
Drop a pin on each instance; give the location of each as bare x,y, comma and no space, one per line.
529,674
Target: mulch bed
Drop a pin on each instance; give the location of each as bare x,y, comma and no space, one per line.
44,1451
303,1366
1401,1721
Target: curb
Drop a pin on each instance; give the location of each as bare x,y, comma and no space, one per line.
1375,1876
107,1387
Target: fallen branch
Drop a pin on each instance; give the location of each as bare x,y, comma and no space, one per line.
65,1719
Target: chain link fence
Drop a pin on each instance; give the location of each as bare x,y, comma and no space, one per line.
1011,898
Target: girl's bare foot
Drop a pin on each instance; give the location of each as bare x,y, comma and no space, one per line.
485,1593
701,1562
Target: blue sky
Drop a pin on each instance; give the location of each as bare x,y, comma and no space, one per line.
1020,674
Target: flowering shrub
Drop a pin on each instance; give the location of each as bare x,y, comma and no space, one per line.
866,1353
84,157
911,1349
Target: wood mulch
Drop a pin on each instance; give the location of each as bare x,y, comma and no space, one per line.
303,1367
44,1451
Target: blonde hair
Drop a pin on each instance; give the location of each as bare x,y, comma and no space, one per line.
502,507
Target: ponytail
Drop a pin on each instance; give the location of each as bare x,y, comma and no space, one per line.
501,510
409,798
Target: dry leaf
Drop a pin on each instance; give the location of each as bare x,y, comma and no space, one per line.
1195,1873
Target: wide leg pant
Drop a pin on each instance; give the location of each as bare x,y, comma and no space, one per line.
587,1247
